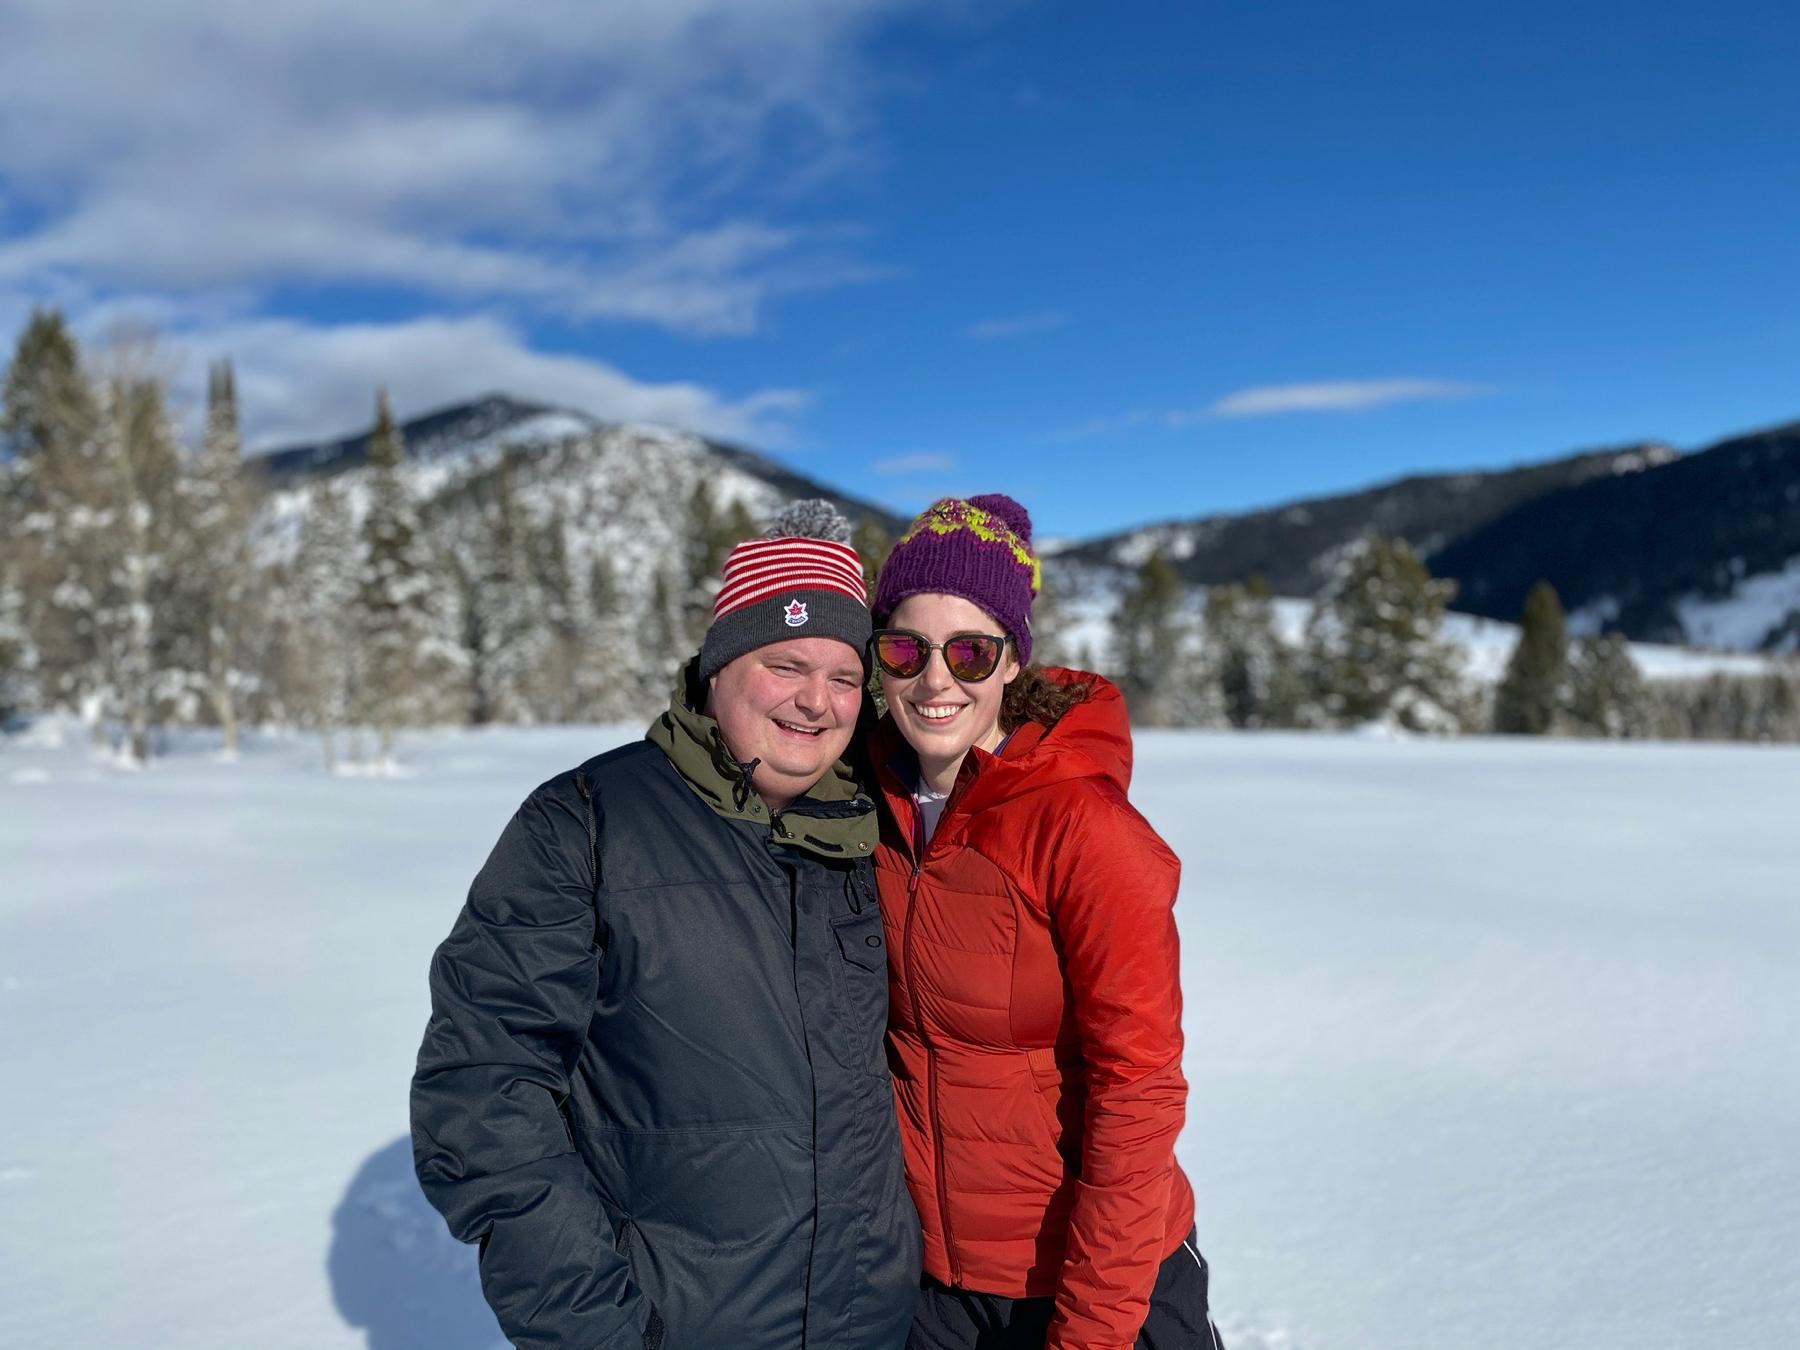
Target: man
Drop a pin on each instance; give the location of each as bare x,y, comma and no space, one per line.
653,1087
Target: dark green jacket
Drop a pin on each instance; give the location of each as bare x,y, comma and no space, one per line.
653,1086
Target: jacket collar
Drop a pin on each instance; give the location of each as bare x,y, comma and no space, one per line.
1093,740
835,819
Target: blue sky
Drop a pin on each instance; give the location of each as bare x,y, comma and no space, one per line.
1128,262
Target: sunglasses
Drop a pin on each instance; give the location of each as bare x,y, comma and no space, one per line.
970,657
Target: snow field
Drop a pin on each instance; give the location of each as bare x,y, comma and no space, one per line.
1488,1042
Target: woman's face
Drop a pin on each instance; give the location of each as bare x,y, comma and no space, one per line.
940,715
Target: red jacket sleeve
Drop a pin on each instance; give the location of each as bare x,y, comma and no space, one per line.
1112,904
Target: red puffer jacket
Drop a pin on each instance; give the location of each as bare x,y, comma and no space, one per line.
1035,1018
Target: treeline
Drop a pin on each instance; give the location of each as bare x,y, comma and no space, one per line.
144,585
1372,650
125,581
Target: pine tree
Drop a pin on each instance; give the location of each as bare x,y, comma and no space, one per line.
1607,694
512,637
566,633
1049,623
709,535
321,617
219,570
1784,705
16,691
1254,673
97,477
1535,687
665,629
1148,632
54,523
872,543
1373,644
395,599
135,569
603,588
611,681
48,404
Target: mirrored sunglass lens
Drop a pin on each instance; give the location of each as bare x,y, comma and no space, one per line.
900,654
971,658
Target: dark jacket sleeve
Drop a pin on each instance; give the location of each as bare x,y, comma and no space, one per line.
512,993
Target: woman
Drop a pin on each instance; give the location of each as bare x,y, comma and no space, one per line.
1035,1011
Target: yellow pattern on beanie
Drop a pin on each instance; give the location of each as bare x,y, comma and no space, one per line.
952,514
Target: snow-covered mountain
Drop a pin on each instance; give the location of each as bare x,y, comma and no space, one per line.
621,488
1702,549
1698,548
1293,545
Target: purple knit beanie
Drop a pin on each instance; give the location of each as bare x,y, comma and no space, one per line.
979,549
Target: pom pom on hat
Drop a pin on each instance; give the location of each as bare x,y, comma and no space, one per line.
1017,518
809,518
801,579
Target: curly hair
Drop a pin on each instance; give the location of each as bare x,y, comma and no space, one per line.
1035,697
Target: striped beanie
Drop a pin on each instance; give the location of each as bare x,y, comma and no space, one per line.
802,579
979,549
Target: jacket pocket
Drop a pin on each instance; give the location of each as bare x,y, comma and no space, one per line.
861,940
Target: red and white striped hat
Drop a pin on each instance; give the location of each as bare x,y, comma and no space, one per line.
792,585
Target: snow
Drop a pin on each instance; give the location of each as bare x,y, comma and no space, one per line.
1591,619
1173,541
1648,457
1745,616
1490,1042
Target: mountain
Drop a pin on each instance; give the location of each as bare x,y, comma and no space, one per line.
1700,548
469,436
1292,546
620,486
461,431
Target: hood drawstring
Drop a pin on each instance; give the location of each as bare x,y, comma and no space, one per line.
741,790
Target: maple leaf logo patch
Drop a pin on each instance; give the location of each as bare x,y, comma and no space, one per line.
795,613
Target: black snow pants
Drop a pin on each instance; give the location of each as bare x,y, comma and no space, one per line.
949,1318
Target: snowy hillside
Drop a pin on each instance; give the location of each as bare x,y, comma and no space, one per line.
1489,1043
1293,544
620,488
1700,549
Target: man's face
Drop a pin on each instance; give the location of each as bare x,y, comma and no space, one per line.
793,705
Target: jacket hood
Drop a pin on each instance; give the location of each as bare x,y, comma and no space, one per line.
1092,740
835,819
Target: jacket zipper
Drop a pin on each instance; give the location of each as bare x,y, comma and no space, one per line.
931,1063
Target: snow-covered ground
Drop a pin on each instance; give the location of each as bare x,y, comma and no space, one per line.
1491,1043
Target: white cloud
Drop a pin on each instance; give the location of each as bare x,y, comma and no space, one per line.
915,464
298,381
1021,325
1327,396
616,160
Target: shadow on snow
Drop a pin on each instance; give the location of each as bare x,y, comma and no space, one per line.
396,1272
